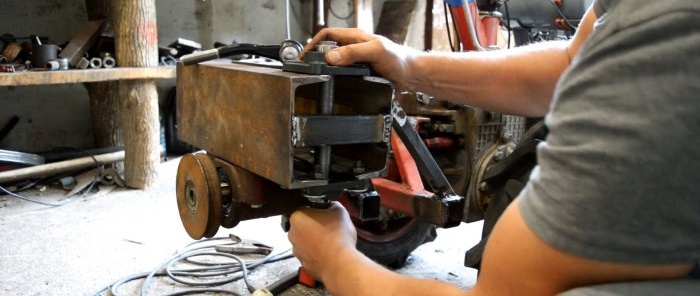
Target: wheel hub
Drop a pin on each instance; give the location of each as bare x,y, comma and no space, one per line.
199,195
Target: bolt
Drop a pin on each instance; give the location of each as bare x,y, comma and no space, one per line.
483,186
359,168
498,155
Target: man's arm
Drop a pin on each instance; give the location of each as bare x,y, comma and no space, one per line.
324,242
516,81
516,261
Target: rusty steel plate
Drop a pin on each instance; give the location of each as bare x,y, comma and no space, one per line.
198,195
246,114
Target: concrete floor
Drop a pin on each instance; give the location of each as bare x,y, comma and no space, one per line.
78,248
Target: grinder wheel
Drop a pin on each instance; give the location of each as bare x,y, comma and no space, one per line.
199,195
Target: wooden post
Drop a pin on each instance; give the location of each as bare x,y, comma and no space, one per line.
105,103
136,42
364,18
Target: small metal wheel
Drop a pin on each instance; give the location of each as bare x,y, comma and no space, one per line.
198,191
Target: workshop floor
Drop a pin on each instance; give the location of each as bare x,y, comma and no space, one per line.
78,248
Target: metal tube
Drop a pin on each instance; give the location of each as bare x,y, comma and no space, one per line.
471,26
59,167
325,107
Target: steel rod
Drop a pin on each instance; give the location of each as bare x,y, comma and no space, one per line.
59,167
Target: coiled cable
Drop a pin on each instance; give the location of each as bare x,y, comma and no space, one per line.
197,276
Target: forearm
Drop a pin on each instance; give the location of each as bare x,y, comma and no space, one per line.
517,81
354,274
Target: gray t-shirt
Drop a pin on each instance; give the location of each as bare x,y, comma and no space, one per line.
619,175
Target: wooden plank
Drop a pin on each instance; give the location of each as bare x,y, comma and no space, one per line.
87,75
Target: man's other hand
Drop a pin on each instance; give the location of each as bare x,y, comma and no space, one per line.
319,236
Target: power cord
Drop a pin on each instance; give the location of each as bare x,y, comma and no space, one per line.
562,15
508,28
238,269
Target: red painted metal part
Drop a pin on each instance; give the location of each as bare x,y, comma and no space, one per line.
399,196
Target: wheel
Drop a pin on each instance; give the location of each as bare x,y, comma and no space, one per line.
198,191
390,240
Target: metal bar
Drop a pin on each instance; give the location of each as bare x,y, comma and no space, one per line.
325,107
339,130
59,167
427,166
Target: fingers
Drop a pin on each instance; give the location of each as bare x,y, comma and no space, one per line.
343,36
366,52
351,41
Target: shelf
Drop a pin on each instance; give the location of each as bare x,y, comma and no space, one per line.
87,75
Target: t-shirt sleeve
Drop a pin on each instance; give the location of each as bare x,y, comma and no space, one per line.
619,175
600,7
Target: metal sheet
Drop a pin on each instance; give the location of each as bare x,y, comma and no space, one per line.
245,114
240,113
20,157
334,130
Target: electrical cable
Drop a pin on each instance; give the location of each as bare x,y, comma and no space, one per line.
510,30
447,24
239,269
350,14
562,15
67,199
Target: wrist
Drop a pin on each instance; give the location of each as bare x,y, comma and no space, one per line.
345,271
414,68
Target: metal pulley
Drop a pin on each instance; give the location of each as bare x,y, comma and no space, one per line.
198,190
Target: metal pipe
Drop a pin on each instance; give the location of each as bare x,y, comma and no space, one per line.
325,107
59,167
471,26
287,19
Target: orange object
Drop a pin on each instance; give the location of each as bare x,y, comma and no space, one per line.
306,279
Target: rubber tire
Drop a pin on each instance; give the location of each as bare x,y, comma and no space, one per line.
394,253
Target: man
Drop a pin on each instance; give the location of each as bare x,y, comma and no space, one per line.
615,196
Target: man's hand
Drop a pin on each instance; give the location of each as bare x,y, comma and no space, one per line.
387,58
318,236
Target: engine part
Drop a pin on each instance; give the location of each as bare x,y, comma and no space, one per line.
543,14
